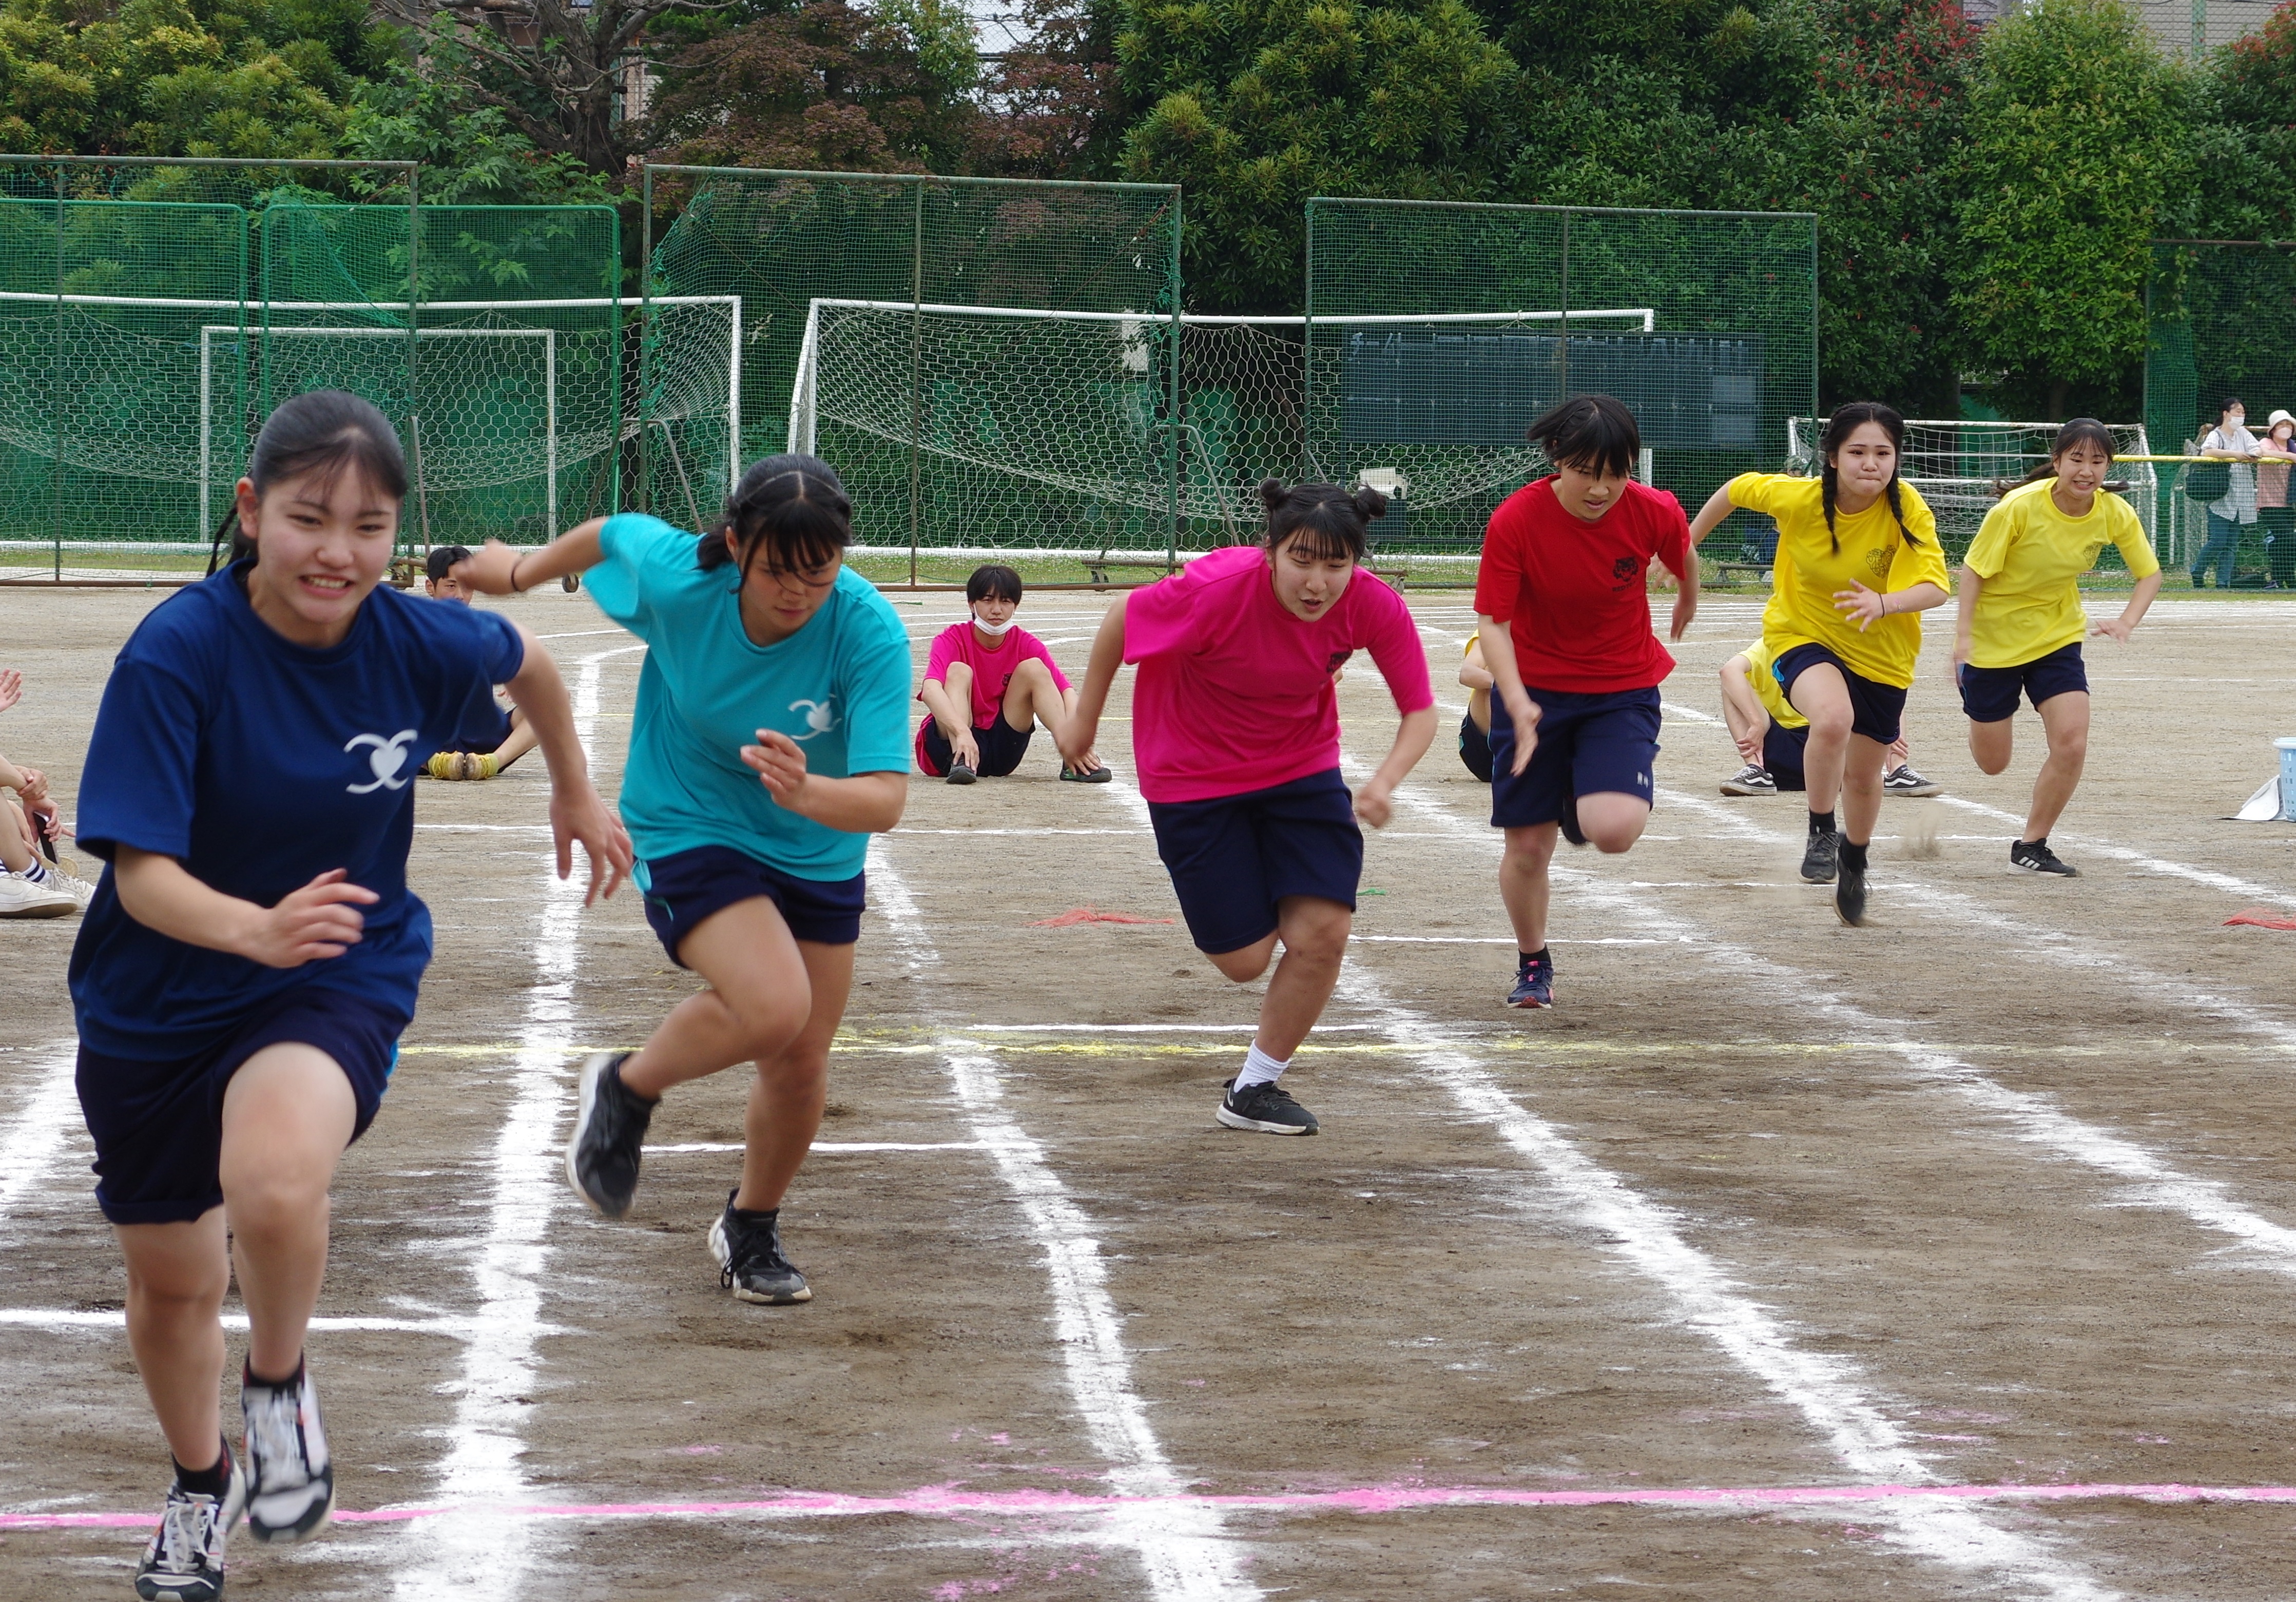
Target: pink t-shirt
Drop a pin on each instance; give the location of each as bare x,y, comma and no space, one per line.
992,667
1235,694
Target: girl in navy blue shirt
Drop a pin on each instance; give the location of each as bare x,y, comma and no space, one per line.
252,952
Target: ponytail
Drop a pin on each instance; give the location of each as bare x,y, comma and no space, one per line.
792,509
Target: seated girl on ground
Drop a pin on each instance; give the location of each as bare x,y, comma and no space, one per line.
1770,735
988,684
1475,726
487,757
30,829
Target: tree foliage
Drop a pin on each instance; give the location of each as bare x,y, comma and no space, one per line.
2077,127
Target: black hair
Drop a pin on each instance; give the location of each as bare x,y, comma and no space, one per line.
2080,430
441,558
1594,433
792,509
324,431
1328,522
1846,420
993,582
2226,405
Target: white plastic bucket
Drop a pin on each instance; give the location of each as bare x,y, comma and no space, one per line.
2286,746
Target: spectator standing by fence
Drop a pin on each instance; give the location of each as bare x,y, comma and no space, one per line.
2272,507
2231,439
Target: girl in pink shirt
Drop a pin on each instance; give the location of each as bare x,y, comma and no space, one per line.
989,683
1235,729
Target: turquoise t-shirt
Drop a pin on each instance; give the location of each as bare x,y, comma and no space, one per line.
839,687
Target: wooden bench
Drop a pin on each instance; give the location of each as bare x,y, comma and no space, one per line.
1098,566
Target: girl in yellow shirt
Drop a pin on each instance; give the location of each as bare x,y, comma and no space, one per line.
1858,560
2021,623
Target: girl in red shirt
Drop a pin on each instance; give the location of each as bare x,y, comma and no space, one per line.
1562,611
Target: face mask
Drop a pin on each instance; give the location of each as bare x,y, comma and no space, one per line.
994,630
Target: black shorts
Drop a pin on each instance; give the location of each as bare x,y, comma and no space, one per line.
1782,755
1990,695
685,887
1475,748
1233,857
1588,744
157,1126
1876,710
1002,747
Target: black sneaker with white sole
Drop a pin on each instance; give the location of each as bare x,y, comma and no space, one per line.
183,1562
1902,780
1266,1108
290,1480
1821,856
610,1127
748,1247
1849,895
1750,780
2035,857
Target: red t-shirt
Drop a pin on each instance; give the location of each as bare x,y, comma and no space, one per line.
1572,593
1234,693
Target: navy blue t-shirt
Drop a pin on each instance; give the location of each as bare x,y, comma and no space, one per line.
260,765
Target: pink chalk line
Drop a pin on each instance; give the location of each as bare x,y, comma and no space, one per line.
948,1501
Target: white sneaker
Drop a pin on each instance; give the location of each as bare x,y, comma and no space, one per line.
183,1562
19,898
70,884
291,1482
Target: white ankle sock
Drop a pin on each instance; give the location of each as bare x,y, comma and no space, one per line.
38,873
1259,1069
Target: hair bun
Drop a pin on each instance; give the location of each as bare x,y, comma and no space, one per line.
1273,492
1369,503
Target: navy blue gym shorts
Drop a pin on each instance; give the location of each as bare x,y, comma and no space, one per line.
1475,747
1589,743
1990,695
159,1125
1782,755
685,887
1876,709
1232,857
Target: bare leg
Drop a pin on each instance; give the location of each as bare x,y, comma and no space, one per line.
15,835
1033,698
1524,885
177,1277
2065,718
1861,789
1315,936
791,1087
759,999
1612,821
1990,744
1821,695
287,1116
523,739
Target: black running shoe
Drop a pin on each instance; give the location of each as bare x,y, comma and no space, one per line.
183,1562
2035,857
1267,1108
290,1482
1849,896
1534,984
960,772
1821,856
610,1126
748,1248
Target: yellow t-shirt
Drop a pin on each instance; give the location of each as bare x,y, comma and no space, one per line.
2031,556
1759,664
1812,567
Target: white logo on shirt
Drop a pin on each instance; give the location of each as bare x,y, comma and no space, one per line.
820,716
388,757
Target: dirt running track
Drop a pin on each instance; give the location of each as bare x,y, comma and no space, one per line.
1997,1193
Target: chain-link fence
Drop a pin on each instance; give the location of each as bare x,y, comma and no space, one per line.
927,451
1437,331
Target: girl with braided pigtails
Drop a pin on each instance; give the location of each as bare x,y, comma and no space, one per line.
1858,561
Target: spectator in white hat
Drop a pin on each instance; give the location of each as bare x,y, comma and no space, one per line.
2272,507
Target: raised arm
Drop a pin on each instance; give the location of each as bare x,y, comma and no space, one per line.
501,569
577,811
1719,505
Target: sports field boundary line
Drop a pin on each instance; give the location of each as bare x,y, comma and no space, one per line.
943,1502
1185,1551
34,1139
492,1392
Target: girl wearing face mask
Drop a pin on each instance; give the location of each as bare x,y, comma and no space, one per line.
1562,610
2021,624
989,683
1236,730
2236,507
1857,563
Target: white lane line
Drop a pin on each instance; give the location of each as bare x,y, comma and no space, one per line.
468,1555
821,1148
1828,1391
2165,867
36,1137
1183,1547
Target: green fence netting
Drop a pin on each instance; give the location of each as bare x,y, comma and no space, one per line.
937,447
2220,323
1437,331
